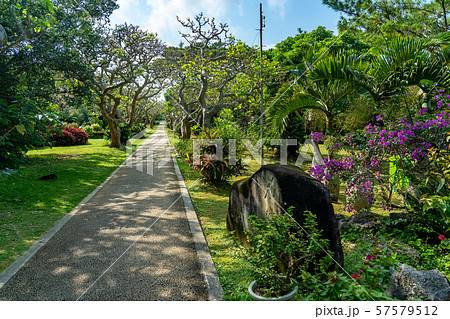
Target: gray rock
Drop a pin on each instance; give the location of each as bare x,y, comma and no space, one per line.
343,224
363,220
409,283
340,218
272,190
404,216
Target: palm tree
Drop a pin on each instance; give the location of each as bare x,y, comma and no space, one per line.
327,95
402,62
331,98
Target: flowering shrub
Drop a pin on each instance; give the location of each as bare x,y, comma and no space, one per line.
214,170
331,169
406,145
369,279
359,187
68,136
318,137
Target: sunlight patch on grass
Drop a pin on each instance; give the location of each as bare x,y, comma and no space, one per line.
29,207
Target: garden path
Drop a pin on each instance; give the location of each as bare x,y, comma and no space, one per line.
130,241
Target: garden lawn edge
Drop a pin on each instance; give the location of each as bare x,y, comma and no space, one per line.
9,272
208,269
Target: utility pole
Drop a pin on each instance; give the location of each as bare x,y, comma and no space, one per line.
261,26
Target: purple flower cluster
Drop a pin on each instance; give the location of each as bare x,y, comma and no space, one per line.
401,138
441,98
331,168
408,141
318,137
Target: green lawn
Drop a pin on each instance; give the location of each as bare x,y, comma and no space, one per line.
30,207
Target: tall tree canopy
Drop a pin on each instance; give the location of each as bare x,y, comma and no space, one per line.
40,64
380,18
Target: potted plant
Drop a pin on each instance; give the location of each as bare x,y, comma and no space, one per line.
279,250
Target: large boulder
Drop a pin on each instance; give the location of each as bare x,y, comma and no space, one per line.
409,283
272,190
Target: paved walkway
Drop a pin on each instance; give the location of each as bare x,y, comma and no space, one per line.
130,241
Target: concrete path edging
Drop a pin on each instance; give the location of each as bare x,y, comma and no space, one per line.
9,272
209,272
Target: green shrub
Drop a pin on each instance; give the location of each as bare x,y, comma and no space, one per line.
225,129
88,129
125,133
91,129
280,247
183,147
137,128
22,127
435,213
367,279
214,171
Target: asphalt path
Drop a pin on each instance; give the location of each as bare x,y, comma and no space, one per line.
130,241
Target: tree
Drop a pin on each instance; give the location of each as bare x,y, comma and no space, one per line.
400,63
125,57
183,93
215,61
327,95
380,18
40,66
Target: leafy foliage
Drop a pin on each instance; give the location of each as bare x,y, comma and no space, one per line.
377,19
68,136
278,246
214,170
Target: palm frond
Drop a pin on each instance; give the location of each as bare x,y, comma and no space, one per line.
278,115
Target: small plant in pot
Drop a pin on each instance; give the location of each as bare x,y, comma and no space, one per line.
280,250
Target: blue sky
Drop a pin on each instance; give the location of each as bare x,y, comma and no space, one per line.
283,17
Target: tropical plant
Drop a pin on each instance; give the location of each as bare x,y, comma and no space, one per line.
325,95
280,251
399,63
214,170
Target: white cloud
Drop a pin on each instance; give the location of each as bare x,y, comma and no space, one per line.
279,5
163,17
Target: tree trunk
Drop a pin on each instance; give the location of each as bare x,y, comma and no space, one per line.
206,119
113,125
328,123
186,128
115,135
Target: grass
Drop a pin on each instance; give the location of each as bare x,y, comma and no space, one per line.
211,205
29,207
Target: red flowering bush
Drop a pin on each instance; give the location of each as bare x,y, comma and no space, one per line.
68,136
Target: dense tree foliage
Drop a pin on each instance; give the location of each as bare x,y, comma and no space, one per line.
377,19
126,70
40,66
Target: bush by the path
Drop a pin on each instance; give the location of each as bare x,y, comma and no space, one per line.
69,136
